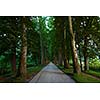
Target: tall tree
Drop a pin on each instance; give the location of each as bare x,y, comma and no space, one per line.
74,50
66,63
59,28
79,38
42,27
23,63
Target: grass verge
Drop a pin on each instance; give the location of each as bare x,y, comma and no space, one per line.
94,73
66,71
31,72
79,78
84,78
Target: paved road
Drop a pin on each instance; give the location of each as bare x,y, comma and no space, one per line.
51,74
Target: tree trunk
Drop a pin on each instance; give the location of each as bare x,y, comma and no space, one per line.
80,58
60,57
86,67
13,56
55,60
23,63
78,40
42,50
13,59
66,64
41,43
74,50
42,55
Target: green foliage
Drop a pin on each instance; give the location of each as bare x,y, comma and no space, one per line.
87,32
5,66
95,64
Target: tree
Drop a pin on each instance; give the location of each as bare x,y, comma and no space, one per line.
41,41
59,39
66,63
23,63
74,50
9,29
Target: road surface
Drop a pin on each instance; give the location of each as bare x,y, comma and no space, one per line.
51,74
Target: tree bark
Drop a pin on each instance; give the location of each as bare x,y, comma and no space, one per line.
86,67
60,57
55,60
23,63
78,39
80,58
74,50
41,43
42,55
66,64
13,55
13,59
42,52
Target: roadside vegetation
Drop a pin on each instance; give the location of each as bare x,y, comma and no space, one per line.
82,77
10,78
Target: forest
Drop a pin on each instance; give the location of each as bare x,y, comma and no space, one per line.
29,43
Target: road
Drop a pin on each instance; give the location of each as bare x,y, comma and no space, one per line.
51,74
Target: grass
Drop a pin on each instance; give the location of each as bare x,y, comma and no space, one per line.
94,73
31,71
66,71
79,78
83,78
